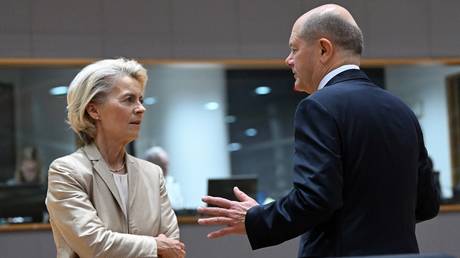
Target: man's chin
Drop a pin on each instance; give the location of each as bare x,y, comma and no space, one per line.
298,87
303,88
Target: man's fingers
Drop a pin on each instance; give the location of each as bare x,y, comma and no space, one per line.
240,195
215,221
221,232
213,211
217,201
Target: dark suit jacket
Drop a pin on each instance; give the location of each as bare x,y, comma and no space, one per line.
361,180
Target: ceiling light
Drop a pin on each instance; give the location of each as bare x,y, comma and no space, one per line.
59,90
211,105
234,146
250,132
150,101
263,90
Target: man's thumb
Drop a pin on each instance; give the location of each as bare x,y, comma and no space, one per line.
240,195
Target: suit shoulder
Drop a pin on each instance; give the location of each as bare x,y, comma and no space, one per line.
73,160
147,166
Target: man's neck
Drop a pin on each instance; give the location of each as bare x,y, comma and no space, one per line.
334,72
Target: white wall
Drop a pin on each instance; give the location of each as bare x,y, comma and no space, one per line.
195,138
423,87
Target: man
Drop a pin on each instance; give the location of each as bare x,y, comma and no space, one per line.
159,157
360,177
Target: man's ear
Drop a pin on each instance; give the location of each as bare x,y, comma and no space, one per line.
326,48
92,111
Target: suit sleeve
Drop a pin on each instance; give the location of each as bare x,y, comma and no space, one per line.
168,226
317,190
428,194
75,218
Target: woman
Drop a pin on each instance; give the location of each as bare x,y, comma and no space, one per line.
102,201
28,170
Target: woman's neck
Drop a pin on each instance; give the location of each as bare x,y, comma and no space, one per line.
112,151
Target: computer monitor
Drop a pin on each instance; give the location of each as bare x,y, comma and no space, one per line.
25,202
223,187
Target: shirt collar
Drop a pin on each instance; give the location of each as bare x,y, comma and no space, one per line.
334,72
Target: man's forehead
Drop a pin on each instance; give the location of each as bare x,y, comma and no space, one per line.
293,38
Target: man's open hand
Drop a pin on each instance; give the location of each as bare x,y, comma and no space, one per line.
231,214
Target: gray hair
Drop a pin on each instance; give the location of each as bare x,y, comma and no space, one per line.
92,84
346,35
157,156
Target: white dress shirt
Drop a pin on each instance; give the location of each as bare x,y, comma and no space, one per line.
121,181
334,72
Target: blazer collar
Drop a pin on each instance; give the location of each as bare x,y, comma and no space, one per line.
93,154
102,169
352,74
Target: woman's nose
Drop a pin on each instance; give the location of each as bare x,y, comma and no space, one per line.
140,108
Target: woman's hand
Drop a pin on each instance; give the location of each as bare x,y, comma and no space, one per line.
169,248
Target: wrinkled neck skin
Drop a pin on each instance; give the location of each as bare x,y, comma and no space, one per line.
112,151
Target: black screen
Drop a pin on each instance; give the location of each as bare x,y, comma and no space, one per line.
223,187
25,200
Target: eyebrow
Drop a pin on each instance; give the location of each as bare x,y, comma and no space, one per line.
130,94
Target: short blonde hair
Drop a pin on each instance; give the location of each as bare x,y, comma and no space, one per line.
92,84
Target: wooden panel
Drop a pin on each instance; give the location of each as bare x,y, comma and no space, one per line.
66,28
15,28
15,16
66,46
205,29
140,28
58,17
445,20
15,45
265,27
136,46
397,28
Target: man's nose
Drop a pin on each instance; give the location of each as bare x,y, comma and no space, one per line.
289,61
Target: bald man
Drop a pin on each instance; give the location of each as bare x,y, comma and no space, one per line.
159,156
361,180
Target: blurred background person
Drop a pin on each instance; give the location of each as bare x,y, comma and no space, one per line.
103,202
159,157
28,170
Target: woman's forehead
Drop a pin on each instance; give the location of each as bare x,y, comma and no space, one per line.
127,84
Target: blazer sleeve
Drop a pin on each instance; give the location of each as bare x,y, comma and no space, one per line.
317,190
169,225
74,217
428,193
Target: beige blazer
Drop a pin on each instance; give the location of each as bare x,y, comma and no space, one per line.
85,207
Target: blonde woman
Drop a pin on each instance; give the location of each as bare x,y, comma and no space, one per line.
102,201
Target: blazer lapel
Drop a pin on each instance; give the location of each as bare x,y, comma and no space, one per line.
132,168
102,170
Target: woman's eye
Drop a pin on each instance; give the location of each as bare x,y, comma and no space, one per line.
129,99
